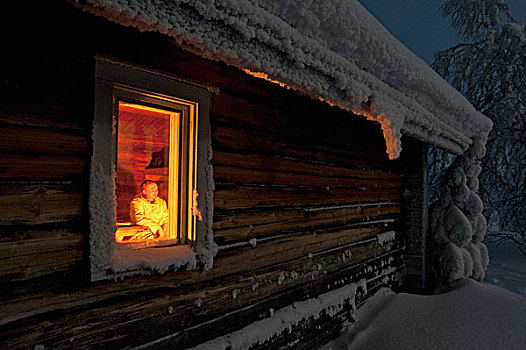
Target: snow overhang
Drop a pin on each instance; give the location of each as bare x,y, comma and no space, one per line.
333,50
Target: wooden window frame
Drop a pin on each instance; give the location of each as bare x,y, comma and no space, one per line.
115,81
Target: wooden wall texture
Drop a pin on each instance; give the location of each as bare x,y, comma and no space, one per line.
311,183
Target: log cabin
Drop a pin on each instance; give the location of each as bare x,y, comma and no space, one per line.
270,136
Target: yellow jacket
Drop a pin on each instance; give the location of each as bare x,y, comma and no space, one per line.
152,215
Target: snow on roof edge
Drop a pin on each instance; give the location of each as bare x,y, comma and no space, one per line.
397,90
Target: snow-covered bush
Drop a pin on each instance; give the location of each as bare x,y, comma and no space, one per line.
457,223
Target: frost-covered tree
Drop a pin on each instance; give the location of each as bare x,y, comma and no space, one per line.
457,223
489,70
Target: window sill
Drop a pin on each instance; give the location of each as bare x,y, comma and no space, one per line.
151,243
128,262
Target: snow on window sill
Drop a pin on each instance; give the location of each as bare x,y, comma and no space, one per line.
128,262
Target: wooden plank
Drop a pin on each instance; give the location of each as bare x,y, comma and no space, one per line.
257,111
309,271
20,244
245,197
39,112
39,141
240,175
30,258
232,227
314,333
236,320
33,167
39,204
229,139
297,166
300,118
195,282
258,169
169,311
291,247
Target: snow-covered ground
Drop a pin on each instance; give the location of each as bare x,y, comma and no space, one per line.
507,268
489,315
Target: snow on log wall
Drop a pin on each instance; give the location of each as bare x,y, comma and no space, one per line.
332,303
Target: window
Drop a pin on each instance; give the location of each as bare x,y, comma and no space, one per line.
156,147
149,165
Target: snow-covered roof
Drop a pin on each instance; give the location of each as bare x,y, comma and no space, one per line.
333,50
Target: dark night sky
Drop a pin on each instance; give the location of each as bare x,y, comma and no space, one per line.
419,25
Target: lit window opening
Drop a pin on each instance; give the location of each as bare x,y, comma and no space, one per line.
155,145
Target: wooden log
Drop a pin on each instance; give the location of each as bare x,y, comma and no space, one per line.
166,312
239,175
315,215
244,197
200,285
257,169
313,333
33,167
241,226
234,321
39,141
336,129
366,260
234,140
40,112
39,204
291,247
31,258
18,243
255,111
257,310
273,163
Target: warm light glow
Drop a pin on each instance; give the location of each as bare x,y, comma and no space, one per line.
330,103
132,107
392,139
181,187
391,135
195,207
142,131
266,77
173,171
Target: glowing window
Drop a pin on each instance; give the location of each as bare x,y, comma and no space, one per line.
153,127
155,147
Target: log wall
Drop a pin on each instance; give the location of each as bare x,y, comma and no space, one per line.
302,191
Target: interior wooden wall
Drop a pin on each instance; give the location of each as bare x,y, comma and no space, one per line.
289,172
139,136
